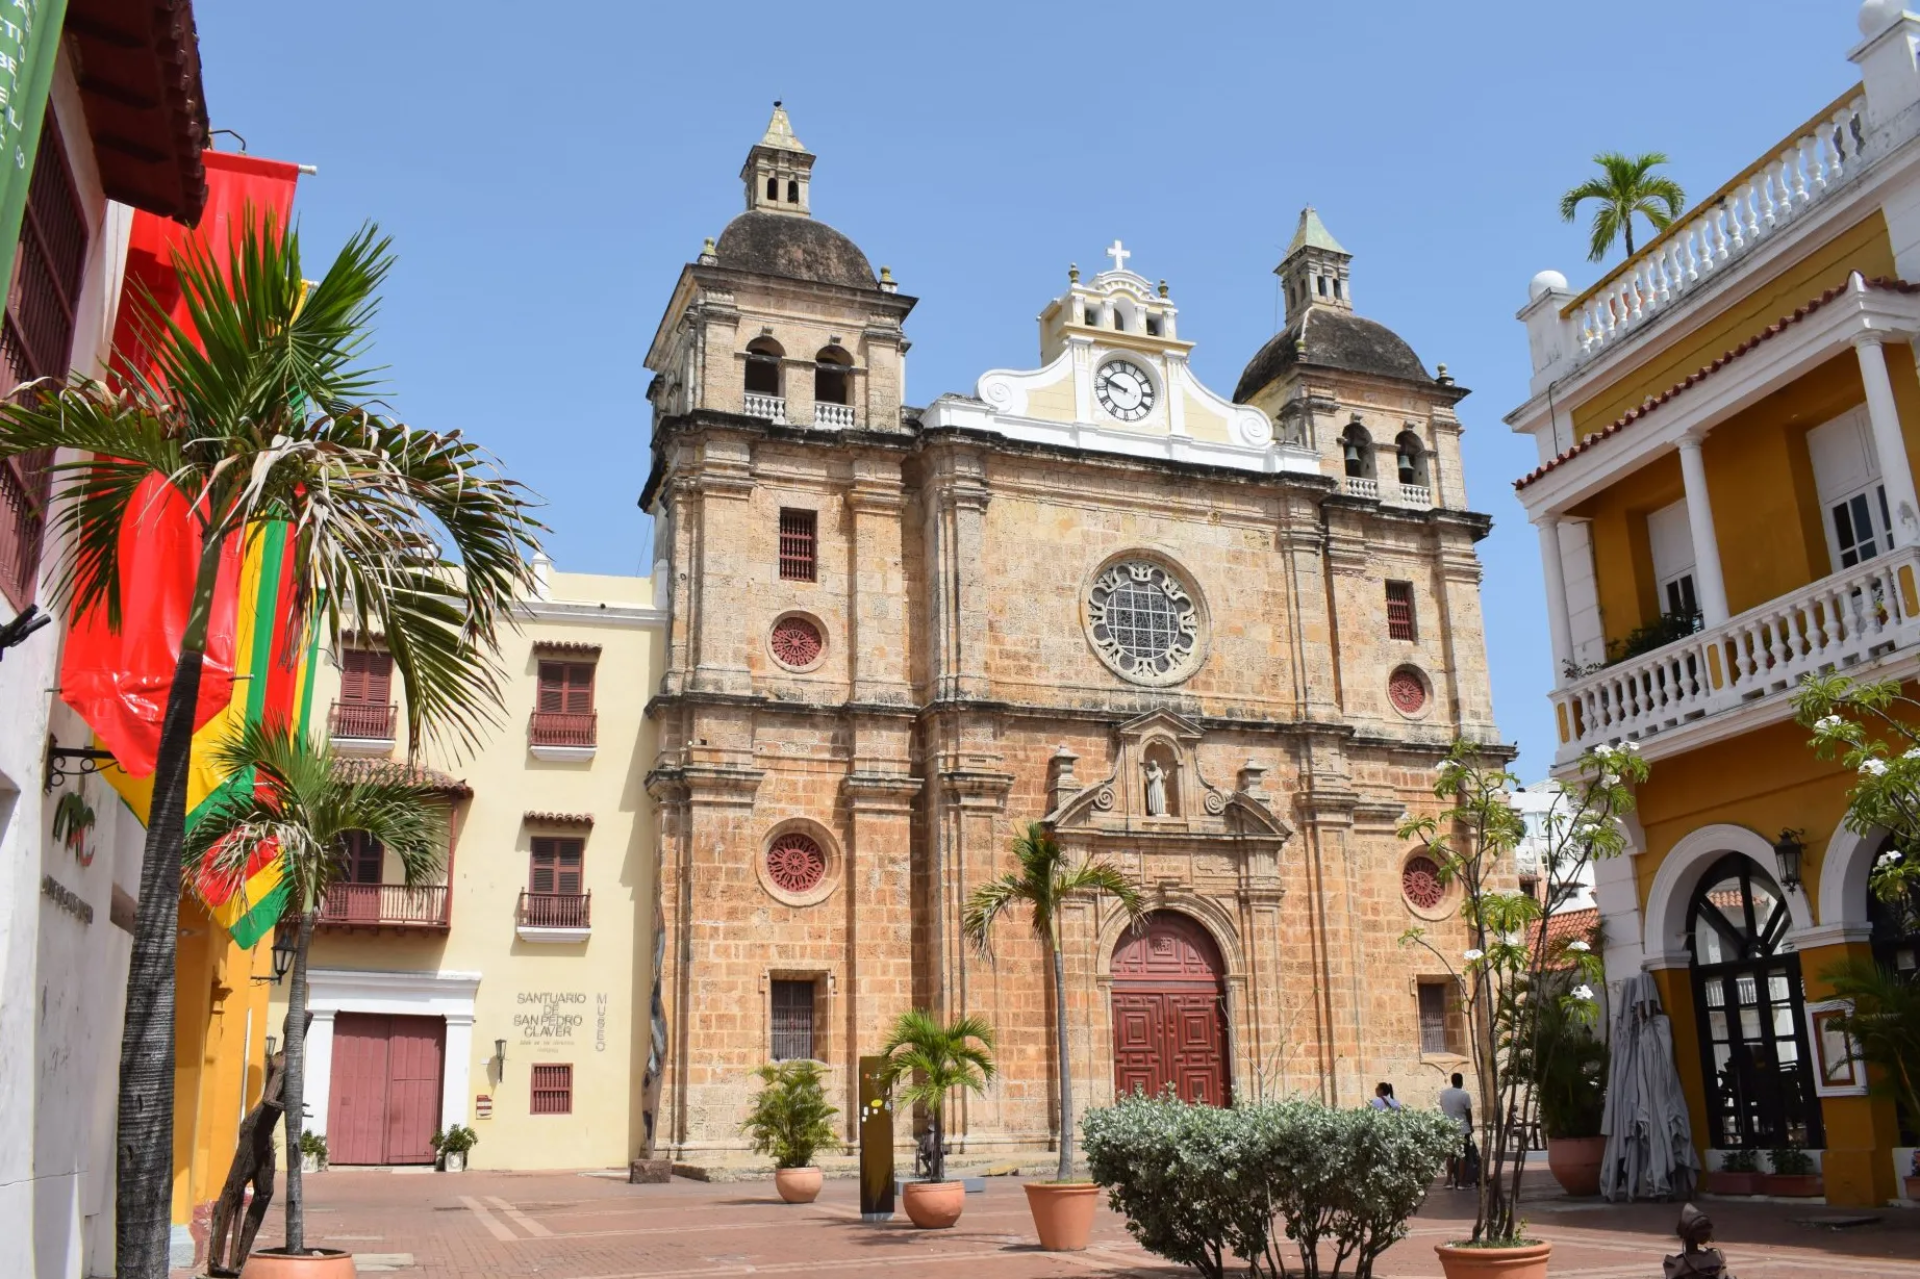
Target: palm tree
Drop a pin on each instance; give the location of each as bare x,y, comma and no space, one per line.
1626,186
263,411
939,1059
302,810
1044,883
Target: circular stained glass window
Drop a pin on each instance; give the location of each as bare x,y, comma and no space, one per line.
795,864
1407,691
796,643
1420,882
1144,623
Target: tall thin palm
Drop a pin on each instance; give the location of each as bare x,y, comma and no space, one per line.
935,1060
1044,883
266,413
302,810
1627,185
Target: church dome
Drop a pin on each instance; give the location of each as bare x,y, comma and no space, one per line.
1331,338
796,247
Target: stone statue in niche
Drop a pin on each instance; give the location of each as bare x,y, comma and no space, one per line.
1156,789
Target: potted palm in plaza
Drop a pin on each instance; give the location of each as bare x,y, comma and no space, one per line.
262,407
1062,1208
791,1121
1512,971
1569,1075
301,811
934,1060
1739,1174
452,1146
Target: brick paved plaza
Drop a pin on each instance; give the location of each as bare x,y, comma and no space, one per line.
587,1226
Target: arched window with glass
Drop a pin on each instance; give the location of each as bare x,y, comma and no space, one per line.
1748,996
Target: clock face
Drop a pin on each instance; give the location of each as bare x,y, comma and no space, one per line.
1124,390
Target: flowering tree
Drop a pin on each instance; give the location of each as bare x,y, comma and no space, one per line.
1512,967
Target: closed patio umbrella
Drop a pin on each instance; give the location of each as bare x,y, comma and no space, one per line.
1649,1137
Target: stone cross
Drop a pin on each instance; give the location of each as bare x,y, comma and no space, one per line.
1119,256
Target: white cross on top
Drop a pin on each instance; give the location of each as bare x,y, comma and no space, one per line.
1119,256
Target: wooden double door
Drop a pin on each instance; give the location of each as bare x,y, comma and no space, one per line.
1170,1012
384,1095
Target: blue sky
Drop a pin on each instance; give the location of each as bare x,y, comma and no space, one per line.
546,170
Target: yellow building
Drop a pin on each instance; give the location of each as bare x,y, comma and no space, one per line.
512,997
1727,426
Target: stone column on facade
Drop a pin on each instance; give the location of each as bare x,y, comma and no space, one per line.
957,504
1559,621
728,544
318,1069
456,1070
1710,586
966,850
1301,541
878,884
877,638
1463,634
1889,442
684,587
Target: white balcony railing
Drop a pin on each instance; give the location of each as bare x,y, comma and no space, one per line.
1360,486
1810,165
1839,621
1416,495
771,407
833,415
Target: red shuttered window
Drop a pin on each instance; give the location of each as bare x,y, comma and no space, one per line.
797,538
552,1090
366,677
566,687
1400,611
366,858
557,866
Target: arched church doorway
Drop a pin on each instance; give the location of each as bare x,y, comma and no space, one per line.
1748,995
1170,1011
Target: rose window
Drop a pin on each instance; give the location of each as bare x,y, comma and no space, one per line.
795,864
1143,623
1420,882
1407,691
796,643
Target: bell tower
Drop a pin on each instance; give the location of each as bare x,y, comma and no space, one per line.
778,169
1314,272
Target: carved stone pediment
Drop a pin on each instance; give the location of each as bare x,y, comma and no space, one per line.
1157,788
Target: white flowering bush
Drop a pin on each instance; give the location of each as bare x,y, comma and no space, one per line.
1873,730
1529,998
1271,1190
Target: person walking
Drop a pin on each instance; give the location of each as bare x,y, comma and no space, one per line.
1457,1104
1383,1098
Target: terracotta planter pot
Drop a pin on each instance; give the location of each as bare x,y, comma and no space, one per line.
1575,1163
1913,1186
1063,1213
1793,1185
271,1263
934,1205
1732,1183
797,1185
1529,1262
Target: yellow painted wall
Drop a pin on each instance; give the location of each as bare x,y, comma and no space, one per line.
1622,554
612,969
1863,247
220,1029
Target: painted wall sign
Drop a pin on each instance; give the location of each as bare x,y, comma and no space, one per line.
550,1016
482,1106
66,899
599,1023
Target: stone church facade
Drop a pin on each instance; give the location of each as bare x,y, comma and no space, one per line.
1219,641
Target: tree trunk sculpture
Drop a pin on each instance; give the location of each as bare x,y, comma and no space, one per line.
253,1163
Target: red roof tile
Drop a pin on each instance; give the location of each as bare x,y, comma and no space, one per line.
1568,925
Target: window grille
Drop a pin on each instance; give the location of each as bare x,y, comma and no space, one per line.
797,529
1400,611
552,1090
1433,1017
792,1020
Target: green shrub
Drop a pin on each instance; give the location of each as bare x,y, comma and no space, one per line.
457,1140
313,1143
1568,1073
1202,1186
791,1119
1740,1161
1790,1161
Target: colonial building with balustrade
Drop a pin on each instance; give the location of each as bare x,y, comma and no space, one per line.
510,995
1219,640
1727,424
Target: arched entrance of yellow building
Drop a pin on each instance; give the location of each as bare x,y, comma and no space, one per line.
1750,1002
1170,1011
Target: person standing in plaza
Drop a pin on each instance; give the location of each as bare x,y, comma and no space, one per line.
1457,1104
1383,1098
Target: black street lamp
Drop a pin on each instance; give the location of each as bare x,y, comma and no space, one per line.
1789,851
284,945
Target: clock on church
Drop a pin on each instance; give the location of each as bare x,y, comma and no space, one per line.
1124,390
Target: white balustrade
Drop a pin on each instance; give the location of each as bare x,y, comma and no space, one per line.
1826,154
1360,486
1416,495
771,407
1838,621
833,415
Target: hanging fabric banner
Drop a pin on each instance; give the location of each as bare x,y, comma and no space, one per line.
29,41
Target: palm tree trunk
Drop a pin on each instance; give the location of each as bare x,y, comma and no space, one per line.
1066,1072
937,1166
143,1190
1626,224
296,1083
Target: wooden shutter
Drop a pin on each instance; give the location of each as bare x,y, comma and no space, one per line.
552,1090
798,539
792,1020
557,866
1400,611
566,687
366,677
365,858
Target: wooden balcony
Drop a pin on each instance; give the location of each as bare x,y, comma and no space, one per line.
562,728
425,909
361,721
555,910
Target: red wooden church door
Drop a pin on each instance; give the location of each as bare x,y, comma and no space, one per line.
1170,1012
384,1102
